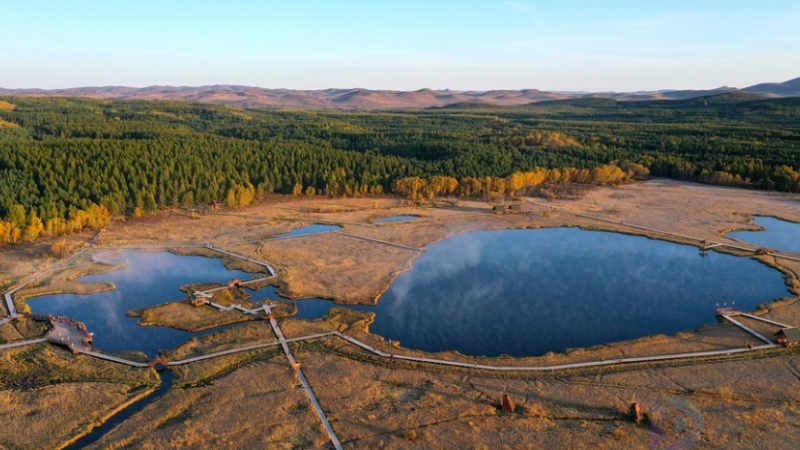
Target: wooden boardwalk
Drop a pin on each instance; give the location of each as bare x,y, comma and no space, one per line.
283,342
115,359
378,241
442,362
7,319
763,319
12,309
710,245
8,296
269,268
747,329
556,367
303,380
22,343
245,283
242,349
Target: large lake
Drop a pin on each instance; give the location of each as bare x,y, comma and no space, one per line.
778,234
147,278
517,292
528,292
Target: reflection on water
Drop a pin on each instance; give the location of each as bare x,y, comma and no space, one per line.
148,278
779,234
528,292
310,229
520,292
396,218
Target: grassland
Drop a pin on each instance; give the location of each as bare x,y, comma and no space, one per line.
252,399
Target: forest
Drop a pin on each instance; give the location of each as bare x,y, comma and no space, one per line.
67,164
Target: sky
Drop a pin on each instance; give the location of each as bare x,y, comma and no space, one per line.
503,44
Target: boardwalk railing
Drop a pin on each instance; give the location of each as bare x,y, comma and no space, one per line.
666,233
303,380
443,362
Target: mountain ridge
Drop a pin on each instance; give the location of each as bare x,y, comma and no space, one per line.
378,99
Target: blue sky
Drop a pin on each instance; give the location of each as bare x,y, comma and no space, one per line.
553,45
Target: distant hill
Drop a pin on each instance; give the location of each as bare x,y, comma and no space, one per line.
789,88
367,99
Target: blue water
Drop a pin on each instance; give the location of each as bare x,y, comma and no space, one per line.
396,218
779,234
518,292
167,378
310,229
528,292
147,279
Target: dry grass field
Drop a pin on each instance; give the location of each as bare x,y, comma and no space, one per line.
252,399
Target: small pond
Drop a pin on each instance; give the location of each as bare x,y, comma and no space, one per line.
146,279
778,234
310,229
528,292
396,218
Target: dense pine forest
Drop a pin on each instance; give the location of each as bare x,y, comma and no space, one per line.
68,164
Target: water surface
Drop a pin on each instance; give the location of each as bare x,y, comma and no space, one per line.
147,279
779,234
528,292
310,229
166,383
518,292
396,218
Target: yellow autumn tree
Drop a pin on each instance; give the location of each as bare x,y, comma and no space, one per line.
608,174
440,185
34,228
239,195
60,248
410,187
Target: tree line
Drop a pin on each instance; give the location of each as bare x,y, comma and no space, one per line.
69,164
419,189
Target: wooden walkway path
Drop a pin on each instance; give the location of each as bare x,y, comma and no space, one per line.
8,296
578,365
762,319
747,329
244,349
22,343
115,359
12,309
236,307
443,362
283,342
7,319
378,241
269,268
301,376
245,283
710,245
